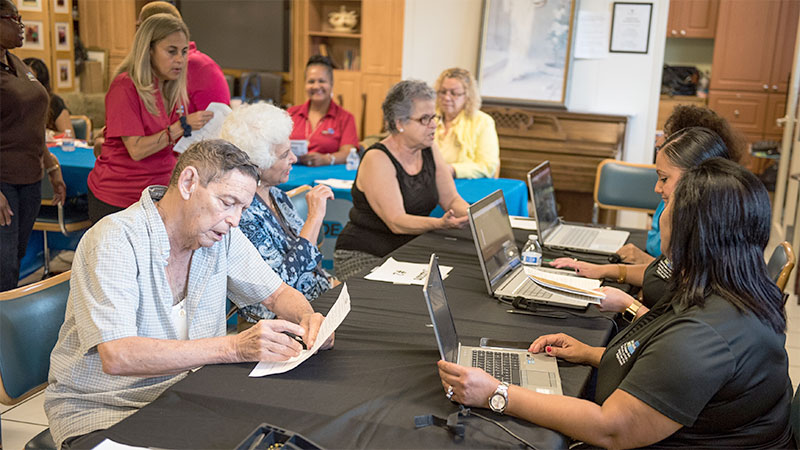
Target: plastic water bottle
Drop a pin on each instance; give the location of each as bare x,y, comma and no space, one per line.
68,142
352,160
532,252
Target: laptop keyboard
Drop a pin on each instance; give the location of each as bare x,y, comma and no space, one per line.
529,289
578,237
502,365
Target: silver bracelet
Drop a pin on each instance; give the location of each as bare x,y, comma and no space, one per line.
333,158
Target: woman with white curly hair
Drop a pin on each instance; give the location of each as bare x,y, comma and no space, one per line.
271,222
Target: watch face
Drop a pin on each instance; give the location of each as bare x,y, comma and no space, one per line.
497,402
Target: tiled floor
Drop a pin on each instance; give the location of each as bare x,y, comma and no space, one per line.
22,422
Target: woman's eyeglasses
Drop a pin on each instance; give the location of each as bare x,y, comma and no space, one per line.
426,119
453,93
15,17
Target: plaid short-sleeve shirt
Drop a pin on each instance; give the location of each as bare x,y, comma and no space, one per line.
119,289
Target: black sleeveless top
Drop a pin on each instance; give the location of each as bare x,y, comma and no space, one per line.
366,232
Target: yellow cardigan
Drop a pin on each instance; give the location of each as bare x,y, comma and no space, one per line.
471,146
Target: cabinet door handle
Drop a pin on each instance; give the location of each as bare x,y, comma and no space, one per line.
736,113
774,87
781,121
766,87
674,32
683,32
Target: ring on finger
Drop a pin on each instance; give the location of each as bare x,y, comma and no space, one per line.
450,392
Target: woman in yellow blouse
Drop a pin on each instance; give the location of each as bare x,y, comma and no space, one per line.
466,136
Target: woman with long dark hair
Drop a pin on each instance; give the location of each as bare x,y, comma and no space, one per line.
706,367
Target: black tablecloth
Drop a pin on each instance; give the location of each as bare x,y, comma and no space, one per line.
382,372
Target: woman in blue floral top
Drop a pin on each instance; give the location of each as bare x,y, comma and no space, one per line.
271,222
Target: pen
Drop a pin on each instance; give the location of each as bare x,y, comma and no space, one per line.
288,333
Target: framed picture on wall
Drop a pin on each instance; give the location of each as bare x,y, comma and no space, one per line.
525,51
61,34
60,7
33,38
630,27
29,5
63,73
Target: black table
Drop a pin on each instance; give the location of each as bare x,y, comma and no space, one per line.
382,372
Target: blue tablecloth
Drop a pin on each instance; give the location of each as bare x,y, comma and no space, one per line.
515,191
75,168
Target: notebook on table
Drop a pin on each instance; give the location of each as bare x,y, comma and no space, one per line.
534,371
500,261
553,233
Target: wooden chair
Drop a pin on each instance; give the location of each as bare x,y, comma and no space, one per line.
298,198
621,185
780,264
82,126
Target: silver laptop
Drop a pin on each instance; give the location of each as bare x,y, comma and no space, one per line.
555,234
534,371
499,257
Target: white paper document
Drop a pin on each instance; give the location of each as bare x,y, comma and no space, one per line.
523,223
332,321
591,39
211,130
566,283
393,271
108,444
336,183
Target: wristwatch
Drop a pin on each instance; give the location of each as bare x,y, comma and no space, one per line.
499,400
630,312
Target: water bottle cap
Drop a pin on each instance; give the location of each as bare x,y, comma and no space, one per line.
531,237
352,150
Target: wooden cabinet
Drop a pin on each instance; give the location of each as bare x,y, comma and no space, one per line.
109,25
49,37
746,111
370,57
776,109
692,18
668,103
754,45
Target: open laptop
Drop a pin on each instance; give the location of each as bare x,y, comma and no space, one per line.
553,233
534,371
500,260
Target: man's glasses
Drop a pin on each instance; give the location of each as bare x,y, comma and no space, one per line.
426,119
15,17
453,93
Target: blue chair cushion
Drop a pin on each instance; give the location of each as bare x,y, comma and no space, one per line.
628,186
81,128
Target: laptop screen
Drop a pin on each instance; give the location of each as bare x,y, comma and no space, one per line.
443,325
540,184
494,238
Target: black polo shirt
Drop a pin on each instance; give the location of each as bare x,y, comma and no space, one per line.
720,373
655,281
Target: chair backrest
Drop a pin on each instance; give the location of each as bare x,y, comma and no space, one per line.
298,198
781,263
82,126
30,319
261,86
624,185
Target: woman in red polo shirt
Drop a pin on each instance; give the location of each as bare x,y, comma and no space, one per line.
328,128
143,117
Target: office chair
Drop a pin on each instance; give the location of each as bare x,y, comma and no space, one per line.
82,126
620,185
258,86
780,264
64,219
30,320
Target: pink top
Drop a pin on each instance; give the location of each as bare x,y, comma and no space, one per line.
205,82
116,178
337,128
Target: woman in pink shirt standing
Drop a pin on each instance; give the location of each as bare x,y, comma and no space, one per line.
145,107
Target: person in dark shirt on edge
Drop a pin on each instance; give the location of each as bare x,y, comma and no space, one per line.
706,367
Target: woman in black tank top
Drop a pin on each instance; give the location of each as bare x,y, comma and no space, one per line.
399,182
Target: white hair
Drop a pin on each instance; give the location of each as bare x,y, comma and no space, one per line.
257,130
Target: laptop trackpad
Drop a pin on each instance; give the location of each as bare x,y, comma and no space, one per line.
539,378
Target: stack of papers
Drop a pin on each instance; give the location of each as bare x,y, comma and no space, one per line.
393,271
335,317
523,223
211,130
336,183
565,283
